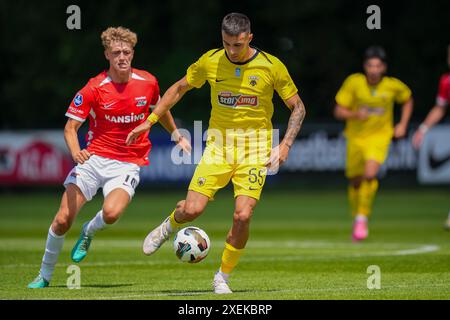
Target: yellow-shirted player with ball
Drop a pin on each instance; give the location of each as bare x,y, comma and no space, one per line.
242,79
366,102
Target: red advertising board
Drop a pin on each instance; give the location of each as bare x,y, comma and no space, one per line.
33,158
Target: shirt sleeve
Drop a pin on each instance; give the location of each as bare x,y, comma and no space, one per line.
402,92
443,96
196,73
283,83
81,104
345,95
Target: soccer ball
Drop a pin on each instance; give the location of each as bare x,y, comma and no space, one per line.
191,244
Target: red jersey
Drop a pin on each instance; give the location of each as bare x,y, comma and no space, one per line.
443,97
114,109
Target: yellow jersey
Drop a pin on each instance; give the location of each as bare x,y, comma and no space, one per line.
241,93
355,93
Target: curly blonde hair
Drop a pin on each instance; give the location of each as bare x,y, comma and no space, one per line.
118,34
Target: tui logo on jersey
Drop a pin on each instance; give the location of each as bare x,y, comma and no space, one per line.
78,100
227,99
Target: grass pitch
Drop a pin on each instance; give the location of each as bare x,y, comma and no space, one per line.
299,248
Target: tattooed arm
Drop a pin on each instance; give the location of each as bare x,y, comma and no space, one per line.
295,123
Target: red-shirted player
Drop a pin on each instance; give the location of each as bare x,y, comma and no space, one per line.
115,101
436,114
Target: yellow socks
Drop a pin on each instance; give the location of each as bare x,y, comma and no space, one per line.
230,258
173,223
366,195
353,195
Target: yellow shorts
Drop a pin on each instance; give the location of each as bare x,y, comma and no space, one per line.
361,150
209,177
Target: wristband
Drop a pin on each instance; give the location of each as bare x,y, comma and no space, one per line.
423,128
153,118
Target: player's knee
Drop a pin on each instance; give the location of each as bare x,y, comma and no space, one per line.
370,176
356,182
242,216
191,211
180,205
61,224
111,214
110,219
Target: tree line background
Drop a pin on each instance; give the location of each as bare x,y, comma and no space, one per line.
43,64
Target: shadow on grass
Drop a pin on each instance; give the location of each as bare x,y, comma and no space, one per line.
194,292
118,285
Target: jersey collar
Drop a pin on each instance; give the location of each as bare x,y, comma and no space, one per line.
244,62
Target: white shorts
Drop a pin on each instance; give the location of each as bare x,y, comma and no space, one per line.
99,172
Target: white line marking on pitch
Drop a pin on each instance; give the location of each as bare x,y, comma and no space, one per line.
423,249
32,243
302,257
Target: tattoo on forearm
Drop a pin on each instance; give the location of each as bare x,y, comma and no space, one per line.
295,122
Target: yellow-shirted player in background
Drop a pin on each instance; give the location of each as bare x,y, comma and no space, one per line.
366,102
242,80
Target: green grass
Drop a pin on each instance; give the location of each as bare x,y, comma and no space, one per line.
299,248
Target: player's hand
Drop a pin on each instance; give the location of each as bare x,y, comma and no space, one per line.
278,156
136,132
81,156
284,152
418,138
399,131
185,145
362,114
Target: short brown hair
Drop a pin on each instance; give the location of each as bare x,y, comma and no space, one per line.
118,34
375,52
235,23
